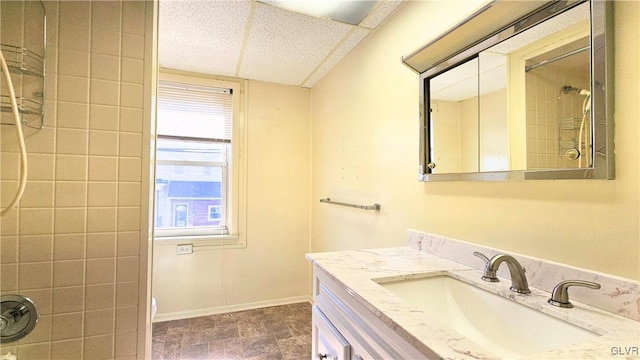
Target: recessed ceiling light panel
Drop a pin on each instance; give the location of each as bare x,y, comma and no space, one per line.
345,11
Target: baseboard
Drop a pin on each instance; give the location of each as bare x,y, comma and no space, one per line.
228,308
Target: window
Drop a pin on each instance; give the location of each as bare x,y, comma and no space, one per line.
198,168
215,212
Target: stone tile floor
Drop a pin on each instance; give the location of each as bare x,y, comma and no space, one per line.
278,332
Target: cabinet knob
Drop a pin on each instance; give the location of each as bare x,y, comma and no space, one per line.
322,356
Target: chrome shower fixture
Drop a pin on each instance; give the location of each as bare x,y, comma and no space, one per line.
568,88
18,317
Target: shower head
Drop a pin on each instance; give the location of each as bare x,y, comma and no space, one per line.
568,88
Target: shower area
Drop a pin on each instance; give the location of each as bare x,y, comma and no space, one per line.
74,142
558,120
22,95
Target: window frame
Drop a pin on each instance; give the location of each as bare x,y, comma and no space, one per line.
235,170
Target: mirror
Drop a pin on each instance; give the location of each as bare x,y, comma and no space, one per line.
529,101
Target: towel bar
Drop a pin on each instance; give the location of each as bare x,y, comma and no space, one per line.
375,207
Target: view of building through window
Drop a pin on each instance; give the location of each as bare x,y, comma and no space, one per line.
189,183
193,152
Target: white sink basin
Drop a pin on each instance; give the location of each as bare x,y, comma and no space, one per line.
503,327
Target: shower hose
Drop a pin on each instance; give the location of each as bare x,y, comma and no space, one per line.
586,107
19,133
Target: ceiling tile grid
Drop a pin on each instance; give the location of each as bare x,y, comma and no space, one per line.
253,40
286,47
381,12
351,41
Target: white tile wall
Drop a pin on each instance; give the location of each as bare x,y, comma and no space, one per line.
545,109
72,245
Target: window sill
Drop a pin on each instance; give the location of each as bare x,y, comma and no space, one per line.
215,241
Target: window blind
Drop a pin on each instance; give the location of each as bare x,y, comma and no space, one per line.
194,111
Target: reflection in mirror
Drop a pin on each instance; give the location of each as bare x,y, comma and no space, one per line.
454,120
552,94
493,135
521,104
559,133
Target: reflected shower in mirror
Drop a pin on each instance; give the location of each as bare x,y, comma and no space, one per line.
559,125
513,106
518,104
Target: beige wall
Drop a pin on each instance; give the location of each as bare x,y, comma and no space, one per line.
455,133
469,135
73,243
365,147
494,132
446,130
271,269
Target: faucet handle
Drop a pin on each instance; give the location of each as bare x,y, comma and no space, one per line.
560,293
482,256
489,274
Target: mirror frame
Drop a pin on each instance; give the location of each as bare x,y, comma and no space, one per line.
442,54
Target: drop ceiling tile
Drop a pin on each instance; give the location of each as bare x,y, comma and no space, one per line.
381,12
348,12
285,47
202,36
353,39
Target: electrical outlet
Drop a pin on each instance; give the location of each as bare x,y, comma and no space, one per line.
185,249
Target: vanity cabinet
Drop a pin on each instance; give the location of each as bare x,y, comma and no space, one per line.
343,328
328,343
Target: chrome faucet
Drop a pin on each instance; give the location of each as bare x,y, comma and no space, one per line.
518,278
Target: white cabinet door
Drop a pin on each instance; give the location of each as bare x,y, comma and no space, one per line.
327,342
367,336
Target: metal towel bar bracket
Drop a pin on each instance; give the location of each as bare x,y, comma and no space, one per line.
375,207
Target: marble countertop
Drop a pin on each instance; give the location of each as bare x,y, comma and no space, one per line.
360,271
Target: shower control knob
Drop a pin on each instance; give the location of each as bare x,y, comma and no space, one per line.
572,154
18,317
